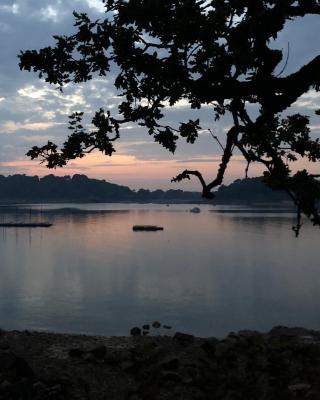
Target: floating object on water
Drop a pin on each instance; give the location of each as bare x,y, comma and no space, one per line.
25,225
195,210
147,228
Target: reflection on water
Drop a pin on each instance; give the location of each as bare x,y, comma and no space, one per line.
206,273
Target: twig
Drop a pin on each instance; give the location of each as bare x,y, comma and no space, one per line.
286,63
216,138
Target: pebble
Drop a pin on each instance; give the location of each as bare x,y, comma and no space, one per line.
171,364
127,366
5,385
76,353
89,357
56,388
135,331
299,387
39,385
170,377
99,352
183,337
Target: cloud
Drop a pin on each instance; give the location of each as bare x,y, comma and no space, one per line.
210,159
43,93
50,13
309,101
5,27
11,126
199,160
97,5
7,8
37,138
315,127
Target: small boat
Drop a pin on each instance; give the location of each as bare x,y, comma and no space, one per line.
25,225
147,228
195,210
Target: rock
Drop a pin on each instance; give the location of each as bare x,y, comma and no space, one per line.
308,340
145,333
55,388
156,324
23,369
76,353
146,327
7,360
4,346
39,385
146,353
299,387
127,366
99,352
224,350
209,346
5,385
14,367
248,333
289,332
170,377
184,338
134,397
170,364
167,327
90,358
135,331
117,356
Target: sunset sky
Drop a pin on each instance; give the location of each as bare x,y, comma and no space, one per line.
33,112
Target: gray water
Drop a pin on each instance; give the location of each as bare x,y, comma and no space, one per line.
207,274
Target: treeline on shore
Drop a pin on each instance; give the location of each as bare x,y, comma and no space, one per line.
80,188
249,190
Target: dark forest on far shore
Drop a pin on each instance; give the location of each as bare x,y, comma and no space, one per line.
80,188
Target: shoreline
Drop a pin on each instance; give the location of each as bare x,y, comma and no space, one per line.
281,364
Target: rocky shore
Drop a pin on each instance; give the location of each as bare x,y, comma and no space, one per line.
281,364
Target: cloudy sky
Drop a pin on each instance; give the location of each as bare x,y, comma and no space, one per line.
33,112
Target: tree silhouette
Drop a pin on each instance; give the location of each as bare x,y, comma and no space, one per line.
207,52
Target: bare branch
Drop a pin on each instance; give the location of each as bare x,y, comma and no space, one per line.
216,138
231,138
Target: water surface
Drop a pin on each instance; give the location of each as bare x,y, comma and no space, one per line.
208,273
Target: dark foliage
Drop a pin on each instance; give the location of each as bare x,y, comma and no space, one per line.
80,188
250,190
208,52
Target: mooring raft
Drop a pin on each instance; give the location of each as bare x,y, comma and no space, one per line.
25,225
147,228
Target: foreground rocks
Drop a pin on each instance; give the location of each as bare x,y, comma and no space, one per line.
282,364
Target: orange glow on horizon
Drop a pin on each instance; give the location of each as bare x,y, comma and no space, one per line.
136,173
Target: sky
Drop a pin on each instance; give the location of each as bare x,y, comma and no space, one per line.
33,112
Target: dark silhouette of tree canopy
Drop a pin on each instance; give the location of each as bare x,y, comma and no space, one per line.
208,52
51,188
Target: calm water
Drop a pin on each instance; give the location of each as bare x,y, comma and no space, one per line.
207,273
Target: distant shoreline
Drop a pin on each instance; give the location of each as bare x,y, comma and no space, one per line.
81,189
204,202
